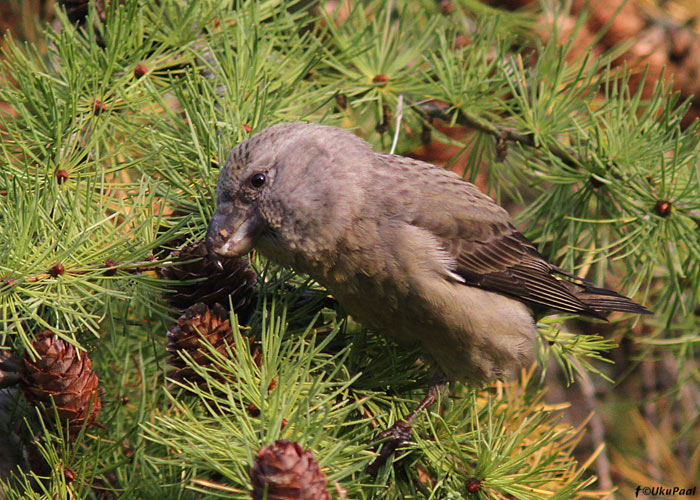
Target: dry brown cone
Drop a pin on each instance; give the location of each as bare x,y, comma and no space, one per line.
197,323
77,10
59,373
285,471
213,285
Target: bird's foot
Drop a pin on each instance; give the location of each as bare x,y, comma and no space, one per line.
401,430
399,434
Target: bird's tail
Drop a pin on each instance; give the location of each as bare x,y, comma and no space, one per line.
600,300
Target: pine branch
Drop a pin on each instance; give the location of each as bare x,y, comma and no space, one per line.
432,110
113,134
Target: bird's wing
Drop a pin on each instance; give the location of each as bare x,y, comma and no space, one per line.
484,250
500,259
487,251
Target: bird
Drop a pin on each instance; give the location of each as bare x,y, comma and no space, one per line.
409,249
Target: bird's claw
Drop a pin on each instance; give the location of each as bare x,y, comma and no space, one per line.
399,434
400,431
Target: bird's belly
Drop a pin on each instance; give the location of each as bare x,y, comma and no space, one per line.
375,303
471,334
481,336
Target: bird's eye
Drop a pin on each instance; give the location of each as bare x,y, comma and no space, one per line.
258,180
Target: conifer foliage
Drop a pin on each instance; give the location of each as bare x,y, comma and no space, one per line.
147,372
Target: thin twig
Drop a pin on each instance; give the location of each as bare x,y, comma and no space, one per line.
430,109
597,428
399,117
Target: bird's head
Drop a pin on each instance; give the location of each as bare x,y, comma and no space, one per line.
291,188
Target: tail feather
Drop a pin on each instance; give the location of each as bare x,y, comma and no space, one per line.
599,300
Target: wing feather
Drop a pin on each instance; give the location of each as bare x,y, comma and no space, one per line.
505,262
486,251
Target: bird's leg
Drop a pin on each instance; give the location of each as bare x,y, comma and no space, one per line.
401,430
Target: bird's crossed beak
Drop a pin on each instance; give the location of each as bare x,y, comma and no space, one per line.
231,233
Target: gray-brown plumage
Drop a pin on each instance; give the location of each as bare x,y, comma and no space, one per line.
408,248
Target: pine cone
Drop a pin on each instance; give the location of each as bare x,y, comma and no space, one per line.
60,374
11,447
212,285
197,323
10,366
77,10
19,453
287,472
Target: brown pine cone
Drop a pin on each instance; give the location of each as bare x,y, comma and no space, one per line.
212,285
60,374
11,446
197,323
77,10
287,472
10,366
